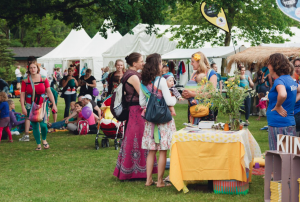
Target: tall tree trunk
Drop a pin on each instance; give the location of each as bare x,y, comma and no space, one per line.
227,43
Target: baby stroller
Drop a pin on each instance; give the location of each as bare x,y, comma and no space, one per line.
110,127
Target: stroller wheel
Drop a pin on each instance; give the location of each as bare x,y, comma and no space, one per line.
107,143
97,147
120,142
103,143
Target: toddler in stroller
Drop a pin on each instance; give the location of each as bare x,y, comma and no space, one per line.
110,127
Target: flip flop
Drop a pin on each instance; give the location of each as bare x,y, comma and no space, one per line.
46,146
167,179
166,184
38,149
153,183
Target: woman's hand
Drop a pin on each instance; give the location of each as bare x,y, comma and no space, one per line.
67,121
280,111
54,108
186,94
24,111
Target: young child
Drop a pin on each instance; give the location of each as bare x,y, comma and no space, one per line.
193,86
13,120
4,116
262,106
171,85
71,119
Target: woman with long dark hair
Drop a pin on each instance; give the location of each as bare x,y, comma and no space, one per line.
69,84
151,78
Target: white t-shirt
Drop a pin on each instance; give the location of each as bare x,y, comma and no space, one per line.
90,105
18,73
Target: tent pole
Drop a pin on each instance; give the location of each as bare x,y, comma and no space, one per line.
188,71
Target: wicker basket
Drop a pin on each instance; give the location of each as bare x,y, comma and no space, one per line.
232,186
299,188
275,188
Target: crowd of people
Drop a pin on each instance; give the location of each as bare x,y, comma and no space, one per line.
142,139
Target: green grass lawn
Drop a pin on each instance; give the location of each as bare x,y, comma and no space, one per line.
72,170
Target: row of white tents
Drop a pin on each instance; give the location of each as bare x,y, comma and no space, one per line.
99,52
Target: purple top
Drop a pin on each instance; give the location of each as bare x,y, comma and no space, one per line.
13,121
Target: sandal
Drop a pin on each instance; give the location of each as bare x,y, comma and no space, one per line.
166,184
10,141
38,149
167,179
153,183
46,146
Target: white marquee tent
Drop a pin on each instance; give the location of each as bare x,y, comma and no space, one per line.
69,47
213,54
138,42
92,53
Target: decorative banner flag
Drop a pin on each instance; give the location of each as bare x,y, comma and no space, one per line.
210,13
290,7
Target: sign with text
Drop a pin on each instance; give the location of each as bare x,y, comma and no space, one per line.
290,8
288,144
215,16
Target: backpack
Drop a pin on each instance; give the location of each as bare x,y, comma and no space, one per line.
83,127
118,106
11,88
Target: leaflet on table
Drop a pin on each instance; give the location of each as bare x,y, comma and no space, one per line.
206,124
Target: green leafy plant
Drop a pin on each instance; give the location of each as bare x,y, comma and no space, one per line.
229,105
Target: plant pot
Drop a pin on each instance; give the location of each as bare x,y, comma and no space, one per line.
234,123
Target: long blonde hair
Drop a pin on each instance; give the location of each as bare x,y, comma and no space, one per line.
203,63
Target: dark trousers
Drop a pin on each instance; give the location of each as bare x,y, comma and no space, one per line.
247,104
68,100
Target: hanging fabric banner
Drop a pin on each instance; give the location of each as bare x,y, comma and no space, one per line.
211,14
290,7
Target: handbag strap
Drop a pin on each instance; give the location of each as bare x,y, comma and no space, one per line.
33,89
157,86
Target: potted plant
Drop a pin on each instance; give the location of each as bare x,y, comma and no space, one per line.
229,105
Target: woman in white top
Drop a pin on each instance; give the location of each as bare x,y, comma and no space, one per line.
151,73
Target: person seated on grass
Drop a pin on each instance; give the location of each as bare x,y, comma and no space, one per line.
4,116
88,101
13,120
62,124
91,120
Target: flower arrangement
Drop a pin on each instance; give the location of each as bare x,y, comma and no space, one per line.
227,105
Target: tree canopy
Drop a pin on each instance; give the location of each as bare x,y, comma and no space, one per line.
124,14
253,21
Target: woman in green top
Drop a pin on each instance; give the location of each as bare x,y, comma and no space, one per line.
69,84
246,82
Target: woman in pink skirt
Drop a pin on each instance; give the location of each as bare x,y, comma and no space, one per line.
131,163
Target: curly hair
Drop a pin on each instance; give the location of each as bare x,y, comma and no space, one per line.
203,63
151,68
281,65
3,97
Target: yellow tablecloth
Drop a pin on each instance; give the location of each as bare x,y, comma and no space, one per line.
211,155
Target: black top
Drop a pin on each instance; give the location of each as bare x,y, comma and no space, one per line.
83,90
94,105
